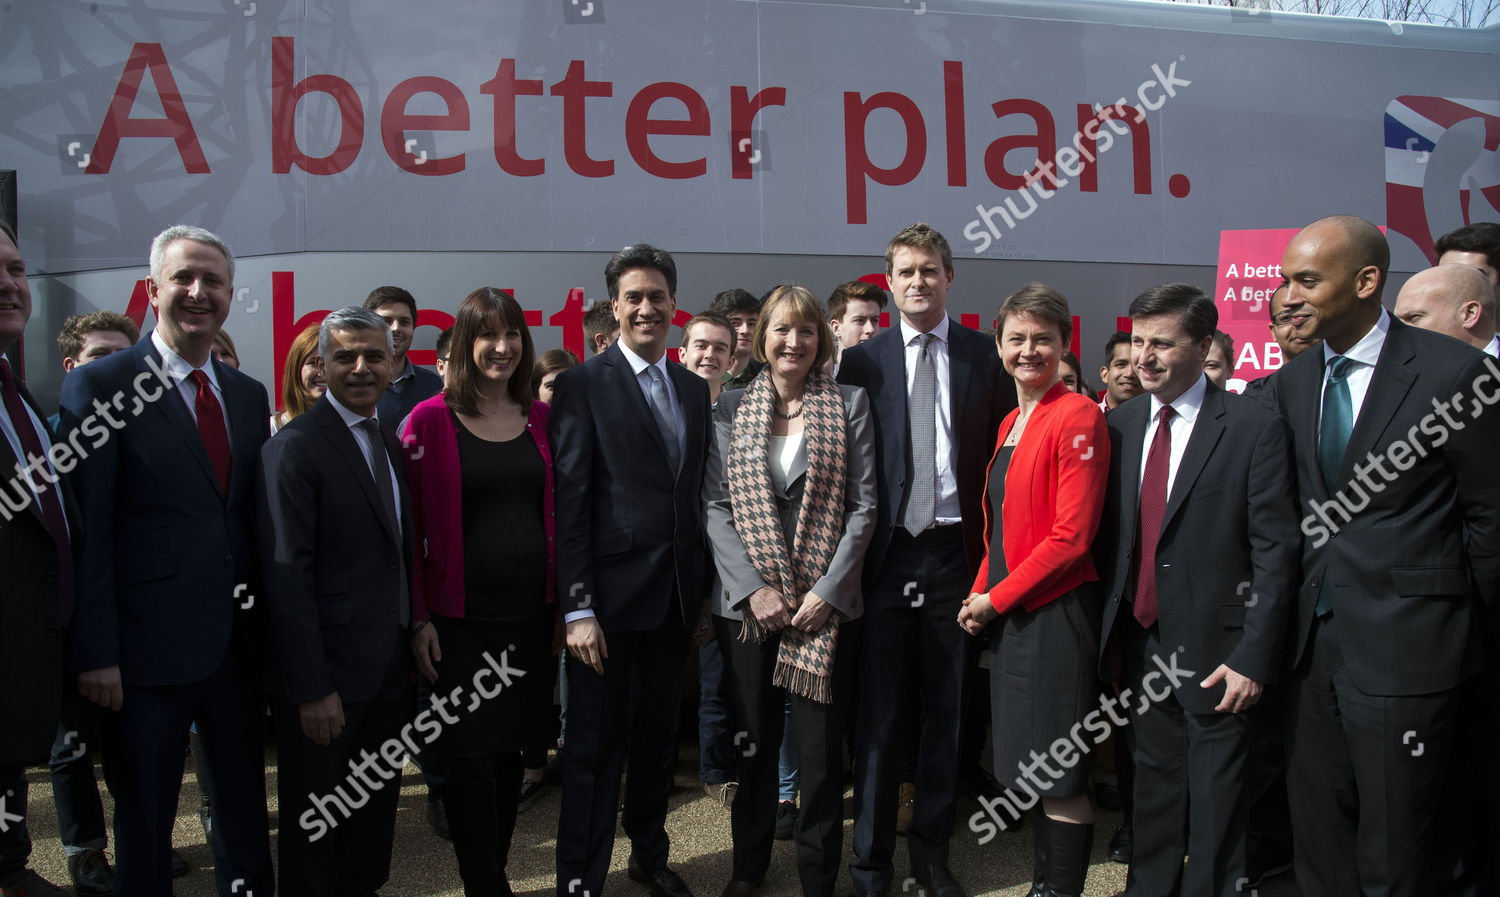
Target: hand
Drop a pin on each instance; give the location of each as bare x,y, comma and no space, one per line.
425,645
813,613
976,613
703,632
323,719
586,642
1240,692
102,687
769,608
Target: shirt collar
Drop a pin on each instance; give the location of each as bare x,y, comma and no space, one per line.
1367,350
411,370
909,333
180,368
350,418
1186,405
639,364
1493,349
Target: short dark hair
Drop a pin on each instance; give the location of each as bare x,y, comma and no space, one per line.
443,341
860,290
920,235
1039,301
10,231
75,328
1225,342
487,308
1120,336
735,302
383,296
599,320
548,362
1071,360
640,255
1481,236
707,317
1199,316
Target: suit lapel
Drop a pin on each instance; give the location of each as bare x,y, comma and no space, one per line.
694,413
1391,382
1207,430
15,486
1133,420
344,445
174,409
960,375
241,414
891,361
629,388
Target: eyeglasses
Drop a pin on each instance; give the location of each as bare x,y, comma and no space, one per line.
1282,319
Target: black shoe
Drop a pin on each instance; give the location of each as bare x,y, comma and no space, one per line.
91,874
937,880
1122,845
786,820
530,791
661,883
180,865
437,817
872,894
1258,870
1108,794
28,884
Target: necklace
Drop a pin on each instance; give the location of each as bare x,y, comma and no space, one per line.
779,401
793,416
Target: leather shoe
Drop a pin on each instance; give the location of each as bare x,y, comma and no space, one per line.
27,883
741,888
872,894
937,880
91,874
1122,845
661,883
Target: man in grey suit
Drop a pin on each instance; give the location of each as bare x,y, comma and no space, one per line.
1197,549
1394,450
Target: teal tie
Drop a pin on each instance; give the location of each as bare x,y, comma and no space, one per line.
1333,440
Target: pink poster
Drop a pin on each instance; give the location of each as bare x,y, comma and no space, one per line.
1249,271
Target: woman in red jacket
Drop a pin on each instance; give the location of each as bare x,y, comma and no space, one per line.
1046,484
480,472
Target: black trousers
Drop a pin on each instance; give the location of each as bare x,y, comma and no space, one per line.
818,730
1191,798
1364,777
628,712
912,649
75,790
338,825
15,840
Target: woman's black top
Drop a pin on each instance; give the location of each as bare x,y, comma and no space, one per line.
505,541
998,467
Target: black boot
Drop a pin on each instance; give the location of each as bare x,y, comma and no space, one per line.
1039,853
1069,846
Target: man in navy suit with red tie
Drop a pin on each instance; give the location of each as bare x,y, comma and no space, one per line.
37,525
168,630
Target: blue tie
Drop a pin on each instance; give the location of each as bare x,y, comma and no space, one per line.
1333,440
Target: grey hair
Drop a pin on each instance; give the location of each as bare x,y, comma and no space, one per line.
187,232
348,319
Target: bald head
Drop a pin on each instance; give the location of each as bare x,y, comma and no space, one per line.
1335,269
1455,300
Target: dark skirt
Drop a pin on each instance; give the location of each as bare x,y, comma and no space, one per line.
494,716
1044,681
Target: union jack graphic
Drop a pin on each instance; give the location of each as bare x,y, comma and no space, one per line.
1413,126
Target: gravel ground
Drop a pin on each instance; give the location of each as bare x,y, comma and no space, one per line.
423,864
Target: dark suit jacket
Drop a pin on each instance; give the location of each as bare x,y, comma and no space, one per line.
1229,548
981,395
31,624
330,560
629,532
1398,568
167,561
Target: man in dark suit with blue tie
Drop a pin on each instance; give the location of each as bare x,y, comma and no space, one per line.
38,525
168,630
336,551
1197,550
1394,446
939,394
629,433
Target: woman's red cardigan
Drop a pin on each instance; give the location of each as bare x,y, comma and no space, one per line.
1054,494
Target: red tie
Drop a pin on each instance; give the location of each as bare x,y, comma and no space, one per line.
211,429
51,502
1153,509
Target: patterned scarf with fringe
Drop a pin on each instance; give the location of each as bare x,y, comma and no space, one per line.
804,660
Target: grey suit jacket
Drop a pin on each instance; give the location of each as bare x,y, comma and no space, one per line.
737,577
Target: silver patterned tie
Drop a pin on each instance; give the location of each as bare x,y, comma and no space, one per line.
921,507
664,417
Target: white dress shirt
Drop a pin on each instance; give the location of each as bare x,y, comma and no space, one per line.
947,509
1493,349
643,380
362,439
1187,407
33,480
1366,352
181,372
